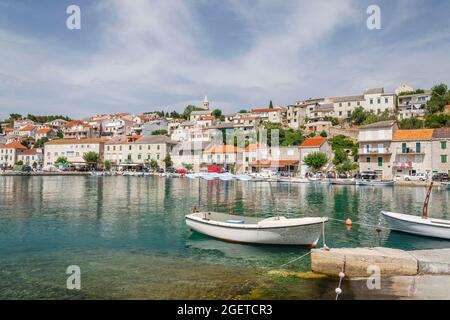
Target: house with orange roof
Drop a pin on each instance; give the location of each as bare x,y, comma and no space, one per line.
32,157
253,154
311,145
73,150
78,129
48,133
28,131
138,151
22,123
223,155
412,152
285,160
56,124
9,154
274,114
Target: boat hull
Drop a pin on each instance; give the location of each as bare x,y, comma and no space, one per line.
375,183
342,182
302,235
416,225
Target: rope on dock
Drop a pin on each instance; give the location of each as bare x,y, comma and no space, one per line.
296,259
341,277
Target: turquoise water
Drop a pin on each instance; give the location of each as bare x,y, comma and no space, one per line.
130,240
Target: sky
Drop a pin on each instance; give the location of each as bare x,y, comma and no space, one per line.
145,55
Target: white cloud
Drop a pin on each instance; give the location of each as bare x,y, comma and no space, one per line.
152,53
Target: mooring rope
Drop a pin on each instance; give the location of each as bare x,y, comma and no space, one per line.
341,277
296,259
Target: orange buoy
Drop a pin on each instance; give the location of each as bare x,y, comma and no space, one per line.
348,222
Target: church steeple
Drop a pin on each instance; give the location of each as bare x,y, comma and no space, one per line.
206,103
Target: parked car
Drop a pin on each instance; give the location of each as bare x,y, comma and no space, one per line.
171,170
441,177
416,177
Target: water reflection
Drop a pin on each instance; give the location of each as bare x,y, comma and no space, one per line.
50,216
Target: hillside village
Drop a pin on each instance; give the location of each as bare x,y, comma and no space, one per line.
394,134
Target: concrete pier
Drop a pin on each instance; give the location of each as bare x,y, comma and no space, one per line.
392,262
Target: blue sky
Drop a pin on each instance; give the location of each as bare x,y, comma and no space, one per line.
144,55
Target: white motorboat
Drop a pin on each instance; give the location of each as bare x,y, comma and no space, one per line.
423,226
343,182
192,175
429,227
209,176
274,230
243,177
299,180
375,183
226,176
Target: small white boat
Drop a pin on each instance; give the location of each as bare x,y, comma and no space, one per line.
343,182
375,183
275,230
423,226
300,180
192,175
209,176
243,177
226,176
428,227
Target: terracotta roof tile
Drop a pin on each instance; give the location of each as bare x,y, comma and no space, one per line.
419,134
313,142
77,141
14,145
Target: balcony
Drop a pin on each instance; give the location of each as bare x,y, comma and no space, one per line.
409,151
374,151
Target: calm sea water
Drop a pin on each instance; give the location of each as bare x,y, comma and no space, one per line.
130,240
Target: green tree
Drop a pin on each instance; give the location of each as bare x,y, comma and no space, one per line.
316,160
437,120
242,111
411,123
439,98
346,166
188,166
40,142
323,134
341,142
340,156
91,158
59,135
19,163
15,116
62,161
154,165
107,164
359,115
189,109
159,132
34,165
217,113
168,161
271,104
